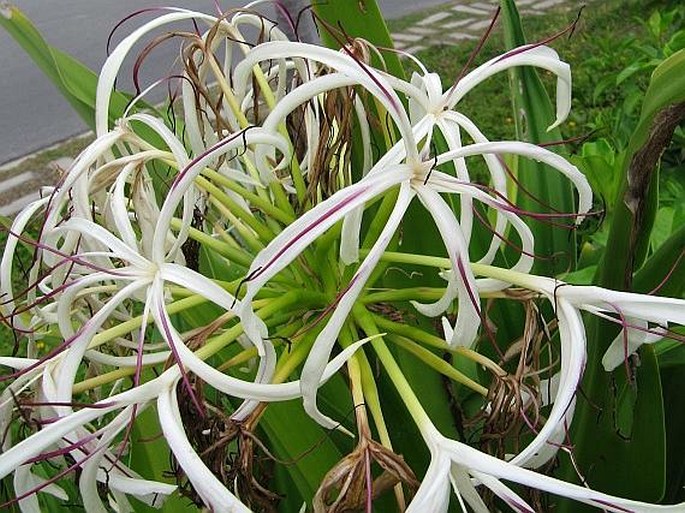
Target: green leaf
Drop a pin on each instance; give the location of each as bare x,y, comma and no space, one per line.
616,453
635,206
664,271
673,380
294,437
357,19
533,113
601,165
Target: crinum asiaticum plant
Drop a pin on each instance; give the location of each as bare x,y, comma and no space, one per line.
207,266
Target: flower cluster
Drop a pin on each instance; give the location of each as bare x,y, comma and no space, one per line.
235,246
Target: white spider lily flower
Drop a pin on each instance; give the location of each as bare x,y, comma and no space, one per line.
431,108
418,179
89,449
452,462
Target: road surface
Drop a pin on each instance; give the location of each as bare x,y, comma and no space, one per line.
33,114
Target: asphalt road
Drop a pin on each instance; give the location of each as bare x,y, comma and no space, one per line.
33,115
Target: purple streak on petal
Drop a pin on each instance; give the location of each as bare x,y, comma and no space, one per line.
174,351
43,485
611,505
63,450
506,205
61,347
476,306
73,258
659,330
514,504
124,442
202,155
336,208
42,299
115,463
95,406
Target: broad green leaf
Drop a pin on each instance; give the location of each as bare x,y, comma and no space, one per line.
295,438
544,188
664,271
673,382
601,166
663,226
635,205
615,453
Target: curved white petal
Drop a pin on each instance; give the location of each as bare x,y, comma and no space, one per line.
534,152
434,493
540,56
214,494
318,356
628,341
365,76
573,358
110,69
461,283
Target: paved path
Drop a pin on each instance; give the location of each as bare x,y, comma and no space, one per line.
463,20
22,132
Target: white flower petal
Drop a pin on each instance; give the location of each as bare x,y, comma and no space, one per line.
534,152
318,356
434,493
540,56
461,282
213,493
110,69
